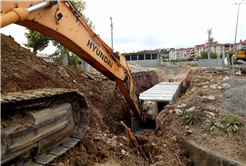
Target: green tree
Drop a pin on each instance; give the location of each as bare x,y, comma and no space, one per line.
36,40
204,55
39,41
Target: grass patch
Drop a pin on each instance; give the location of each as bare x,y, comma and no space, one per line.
211,125
193,118
232,124
229,124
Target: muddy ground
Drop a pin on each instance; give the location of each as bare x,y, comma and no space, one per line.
101,145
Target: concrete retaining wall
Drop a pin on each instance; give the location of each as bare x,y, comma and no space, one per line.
203,157
177,63
210,62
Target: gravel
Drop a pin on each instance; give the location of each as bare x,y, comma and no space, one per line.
237,93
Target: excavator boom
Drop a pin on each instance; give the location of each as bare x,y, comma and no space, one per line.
61,21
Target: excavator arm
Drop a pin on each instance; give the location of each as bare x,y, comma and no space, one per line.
56,118
61,21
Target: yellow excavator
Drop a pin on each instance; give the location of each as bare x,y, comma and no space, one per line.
241,58
57,118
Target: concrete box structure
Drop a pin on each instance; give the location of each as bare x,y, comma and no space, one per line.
147,60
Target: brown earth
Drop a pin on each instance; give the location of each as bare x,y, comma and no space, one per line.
22,70
199,85
173,73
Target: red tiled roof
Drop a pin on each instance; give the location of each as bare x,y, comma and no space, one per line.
199,46
242,41
221,44
182,49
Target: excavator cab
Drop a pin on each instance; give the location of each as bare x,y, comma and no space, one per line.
241,54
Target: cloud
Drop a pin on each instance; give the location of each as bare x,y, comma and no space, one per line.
159,23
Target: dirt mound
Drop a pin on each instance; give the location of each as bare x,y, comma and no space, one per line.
198,115
135,67
22,70
173,73
145,79
112,150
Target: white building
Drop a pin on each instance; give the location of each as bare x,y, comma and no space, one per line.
177,53
45,57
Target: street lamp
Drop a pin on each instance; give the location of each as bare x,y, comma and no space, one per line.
236,26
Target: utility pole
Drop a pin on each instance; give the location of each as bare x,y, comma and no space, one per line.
111,33
209,41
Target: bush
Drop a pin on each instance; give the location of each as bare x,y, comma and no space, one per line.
204,55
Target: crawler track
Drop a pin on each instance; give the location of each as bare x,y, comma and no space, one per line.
57,120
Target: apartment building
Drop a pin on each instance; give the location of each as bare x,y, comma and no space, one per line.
241,44
220,48
178,53
189,52
195,52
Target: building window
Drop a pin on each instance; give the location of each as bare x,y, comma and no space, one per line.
140,57
134,57
127,57
148,56
154,56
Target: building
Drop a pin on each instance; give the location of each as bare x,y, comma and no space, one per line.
198,49
146,59
214,47
46,57
220,48
189,52
178,53
241,44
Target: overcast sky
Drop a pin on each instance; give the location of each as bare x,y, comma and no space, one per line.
152,24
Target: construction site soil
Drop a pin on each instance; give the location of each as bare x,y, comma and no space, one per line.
101,145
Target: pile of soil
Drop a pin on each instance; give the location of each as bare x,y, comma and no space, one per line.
135,67
22,70
174,73
145,79
208,99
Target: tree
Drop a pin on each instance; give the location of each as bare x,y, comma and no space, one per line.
204,55
36,40
39,41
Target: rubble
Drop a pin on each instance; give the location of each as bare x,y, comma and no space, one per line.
191,109
178,111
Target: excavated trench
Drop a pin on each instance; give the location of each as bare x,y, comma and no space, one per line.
200,155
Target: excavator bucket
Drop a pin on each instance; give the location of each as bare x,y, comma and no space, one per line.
151,110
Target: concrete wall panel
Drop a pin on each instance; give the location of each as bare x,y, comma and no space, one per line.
210,62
